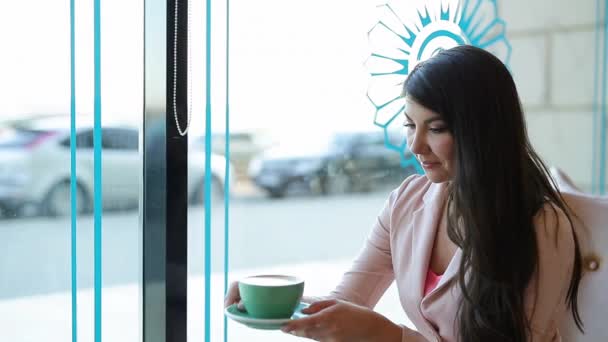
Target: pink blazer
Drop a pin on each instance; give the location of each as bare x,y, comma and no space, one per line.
399,249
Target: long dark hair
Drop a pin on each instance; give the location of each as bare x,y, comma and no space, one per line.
499,185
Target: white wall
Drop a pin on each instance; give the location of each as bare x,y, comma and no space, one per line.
554,65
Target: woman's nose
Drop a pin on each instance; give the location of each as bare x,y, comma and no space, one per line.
417,144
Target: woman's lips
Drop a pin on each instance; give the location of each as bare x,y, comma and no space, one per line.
429,165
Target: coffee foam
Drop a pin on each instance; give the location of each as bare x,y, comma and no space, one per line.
271,280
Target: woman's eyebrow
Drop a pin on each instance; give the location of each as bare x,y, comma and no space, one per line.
427,121
436,118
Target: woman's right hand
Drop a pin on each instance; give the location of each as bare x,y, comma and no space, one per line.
233,296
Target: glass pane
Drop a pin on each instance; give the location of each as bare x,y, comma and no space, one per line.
34,250
199,210
122,113
314,171
36,304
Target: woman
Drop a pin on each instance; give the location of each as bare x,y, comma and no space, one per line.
482,246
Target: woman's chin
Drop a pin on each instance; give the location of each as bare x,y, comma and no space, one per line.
437,177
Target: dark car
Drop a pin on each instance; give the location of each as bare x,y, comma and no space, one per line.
342,162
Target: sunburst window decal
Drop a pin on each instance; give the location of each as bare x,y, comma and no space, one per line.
408,32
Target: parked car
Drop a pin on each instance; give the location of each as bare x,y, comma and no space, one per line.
244,145
35,167
342,162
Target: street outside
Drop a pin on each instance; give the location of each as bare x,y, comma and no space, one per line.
312,237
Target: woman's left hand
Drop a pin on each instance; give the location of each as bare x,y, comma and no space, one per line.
338,321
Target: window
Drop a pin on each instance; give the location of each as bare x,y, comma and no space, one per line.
35,172
308,170
120,139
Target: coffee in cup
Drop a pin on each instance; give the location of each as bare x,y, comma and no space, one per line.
271,296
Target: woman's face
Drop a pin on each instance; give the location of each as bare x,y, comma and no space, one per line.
430,140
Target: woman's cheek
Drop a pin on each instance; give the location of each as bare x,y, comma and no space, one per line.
409,138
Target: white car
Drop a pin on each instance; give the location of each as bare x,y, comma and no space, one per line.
35,167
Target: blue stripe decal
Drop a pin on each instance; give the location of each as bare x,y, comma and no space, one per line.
227,174
208,177
595,104
603,122
73,193
97,167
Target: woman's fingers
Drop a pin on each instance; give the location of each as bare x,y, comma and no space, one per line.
318,306
240,306
300,325
311,326
233,295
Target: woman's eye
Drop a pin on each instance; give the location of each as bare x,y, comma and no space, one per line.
409,125
437,130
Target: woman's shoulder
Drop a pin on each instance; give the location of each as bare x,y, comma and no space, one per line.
413,187
552,220
554,231
548,290
413,192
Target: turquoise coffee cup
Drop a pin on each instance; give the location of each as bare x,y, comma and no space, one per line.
271,296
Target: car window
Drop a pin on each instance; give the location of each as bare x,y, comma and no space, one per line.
119,139
84,140
17,138
112,138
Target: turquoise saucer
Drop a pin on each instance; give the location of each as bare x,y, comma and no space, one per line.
260,323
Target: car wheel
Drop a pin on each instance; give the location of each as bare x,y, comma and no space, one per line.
57,201
8,212
276,192
217,192
298,187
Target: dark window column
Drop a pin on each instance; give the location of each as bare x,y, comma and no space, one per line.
164,203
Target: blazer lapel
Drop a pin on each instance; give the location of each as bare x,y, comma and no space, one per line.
424,225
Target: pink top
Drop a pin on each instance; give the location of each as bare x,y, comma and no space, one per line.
399,249
432,279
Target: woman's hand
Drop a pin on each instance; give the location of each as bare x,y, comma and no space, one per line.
233,296
338,321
